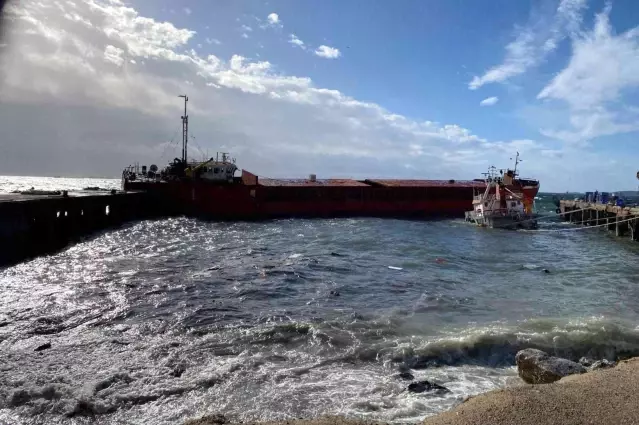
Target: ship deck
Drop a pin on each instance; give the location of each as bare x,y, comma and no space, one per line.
389,183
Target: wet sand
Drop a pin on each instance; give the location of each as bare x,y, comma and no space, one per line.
609,396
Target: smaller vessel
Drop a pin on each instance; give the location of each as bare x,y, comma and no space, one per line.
501,206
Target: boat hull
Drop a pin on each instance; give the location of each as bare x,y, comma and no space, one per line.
238,201
509,222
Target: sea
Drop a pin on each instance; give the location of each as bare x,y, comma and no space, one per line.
163,320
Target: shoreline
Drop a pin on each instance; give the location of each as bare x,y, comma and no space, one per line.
605,396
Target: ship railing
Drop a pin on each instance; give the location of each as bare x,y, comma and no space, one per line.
502,212
528,180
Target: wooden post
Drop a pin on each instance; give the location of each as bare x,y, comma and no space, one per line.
609,226
617,228
621,228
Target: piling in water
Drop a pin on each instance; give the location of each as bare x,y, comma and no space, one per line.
621,220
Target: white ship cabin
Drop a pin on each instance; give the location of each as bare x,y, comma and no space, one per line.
220,168
497,204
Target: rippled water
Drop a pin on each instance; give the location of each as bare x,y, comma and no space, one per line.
11,183
168,319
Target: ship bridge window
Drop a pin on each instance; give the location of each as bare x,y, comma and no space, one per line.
512,204
216,170
485,204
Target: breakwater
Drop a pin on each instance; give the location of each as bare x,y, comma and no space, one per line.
36,224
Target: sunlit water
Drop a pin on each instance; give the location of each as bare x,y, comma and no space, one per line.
169,319
13,183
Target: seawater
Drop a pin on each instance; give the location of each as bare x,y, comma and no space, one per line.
163,320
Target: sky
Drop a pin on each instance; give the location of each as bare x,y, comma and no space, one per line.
438,89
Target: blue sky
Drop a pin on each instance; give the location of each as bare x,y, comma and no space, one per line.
410,89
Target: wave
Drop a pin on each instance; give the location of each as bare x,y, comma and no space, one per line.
374,341
596,339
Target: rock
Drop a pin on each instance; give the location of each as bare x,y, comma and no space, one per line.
335,293
601,364
545,270
586,361
423,386
208,420
406,376
43,347
537,367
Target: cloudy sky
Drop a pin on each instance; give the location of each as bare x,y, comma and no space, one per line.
411,89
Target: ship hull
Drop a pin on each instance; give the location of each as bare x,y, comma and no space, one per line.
530,191
528,222
244,202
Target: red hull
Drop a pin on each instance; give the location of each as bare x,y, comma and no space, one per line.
331,198
255,202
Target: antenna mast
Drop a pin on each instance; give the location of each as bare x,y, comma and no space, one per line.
185,130
516,162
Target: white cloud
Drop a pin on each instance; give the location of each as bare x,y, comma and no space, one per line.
552,153
114,55
273,19
328,52
264,117
489,101
603,67
187,11
246,28
245,35
534,42
213,41
296,42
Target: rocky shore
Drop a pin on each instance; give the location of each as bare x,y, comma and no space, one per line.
560,391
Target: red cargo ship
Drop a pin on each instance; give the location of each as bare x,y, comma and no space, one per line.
211,189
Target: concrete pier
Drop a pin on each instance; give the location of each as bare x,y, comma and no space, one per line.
32,225
623,221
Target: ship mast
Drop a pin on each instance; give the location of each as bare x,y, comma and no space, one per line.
517,161
185,130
